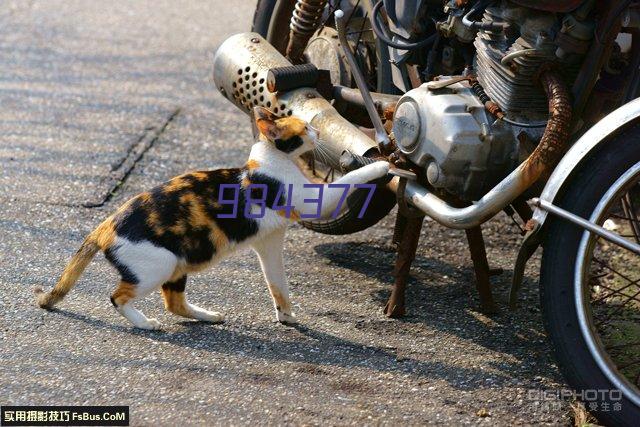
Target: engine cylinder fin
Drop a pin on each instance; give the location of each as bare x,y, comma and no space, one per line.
512,84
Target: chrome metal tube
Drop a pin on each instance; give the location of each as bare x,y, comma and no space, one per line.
463,218
381,134
594,228
384,103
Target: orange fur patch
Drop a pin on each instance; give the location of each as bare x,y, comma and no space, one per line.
219,239
175,302
291,126
282,304
200,176
252,164
124,293
176,184
246,182
197,215
153,221
295,216
105,234
180,271
178,228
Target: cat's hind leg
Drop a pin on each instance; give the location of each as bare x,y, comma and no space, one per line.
176,302
122,299
270,251
143,267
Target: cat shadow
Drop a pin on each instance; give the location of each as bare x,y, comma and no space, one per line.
452,307
297,344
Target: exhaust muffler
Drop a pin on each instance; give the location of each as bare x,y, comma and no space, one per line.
240,70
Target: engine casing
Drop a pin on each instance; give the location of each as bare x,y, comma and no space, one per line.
449,132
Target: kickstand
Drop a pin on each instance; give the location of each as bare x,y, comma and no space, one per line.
406,235
481,268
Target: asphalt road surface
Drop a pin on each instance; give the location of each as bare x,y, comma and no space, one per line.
95,93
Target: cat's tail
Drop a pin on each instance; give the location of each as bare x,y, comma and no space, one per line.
91,245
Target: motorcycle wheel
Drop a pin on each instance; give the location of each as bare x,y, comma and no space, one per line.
589,287
271,20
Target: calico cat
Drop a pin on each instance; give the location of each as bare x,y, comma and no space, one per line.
180,227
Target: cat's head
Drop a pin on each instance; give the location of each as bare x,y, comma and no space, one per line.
290,135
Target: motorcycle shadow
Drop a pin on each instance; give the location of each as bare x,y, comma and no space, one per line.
442,296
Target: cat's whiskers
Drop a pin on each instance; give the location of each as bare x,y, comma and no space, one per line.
321,152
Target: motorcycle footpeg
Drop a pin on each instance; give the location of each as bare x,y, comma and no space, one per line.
283,79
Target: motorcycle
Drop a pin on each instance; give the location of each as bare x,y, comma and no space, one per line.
482,106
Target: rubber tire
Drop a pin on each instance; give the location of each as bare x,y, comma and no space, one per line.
580,196
383,199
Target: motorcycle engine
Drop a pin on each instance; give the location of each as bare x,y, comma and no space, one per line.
447,130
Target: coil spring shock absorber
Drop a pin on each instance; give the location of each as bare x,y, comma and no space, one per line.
304,22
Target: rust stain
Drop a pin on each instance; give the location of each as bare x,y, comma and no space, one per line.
556,134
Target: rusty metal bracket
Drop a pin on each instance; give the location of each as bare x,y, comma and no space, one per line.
403,206
406,236
481,269
527,249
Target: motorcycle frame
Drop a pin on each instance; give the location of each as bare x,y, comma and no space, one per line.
321,114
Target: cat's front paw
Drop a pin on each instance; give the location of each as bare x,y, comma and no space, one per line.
212,317
287,319
149,324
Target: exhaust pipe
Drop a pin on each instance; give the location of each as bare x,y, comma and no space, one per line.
240,72
240,69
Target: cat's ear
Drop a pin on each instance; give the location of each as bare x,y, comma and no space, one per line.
261,113
266,123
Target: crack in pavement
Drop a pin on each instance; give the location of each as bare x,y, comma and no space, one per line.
122,169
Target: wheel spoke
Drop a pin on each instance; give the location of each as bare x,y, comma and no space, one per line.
619,346
605,265
617,310
613,292
352,12
624,217
626,365
630,211
359,32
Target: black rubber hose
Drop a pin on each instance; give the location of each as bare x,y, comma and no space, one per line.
479,25
377,29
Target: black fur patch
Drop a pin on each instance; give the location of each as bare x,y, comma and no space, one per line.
273,186
126,274
177,286
171,228
239,228
197,246
289,145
